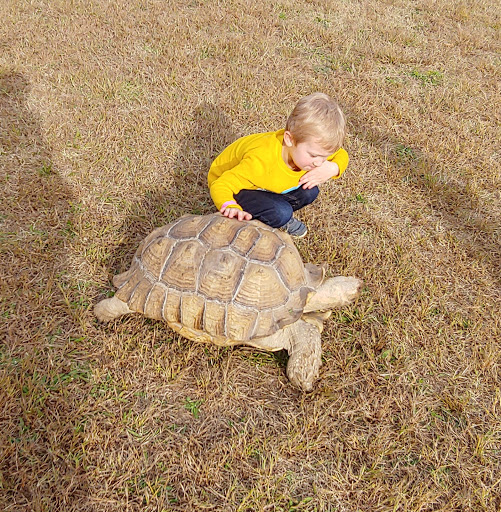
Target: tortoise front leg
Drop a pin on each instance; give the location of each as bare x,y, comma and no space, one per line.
305,354
109,309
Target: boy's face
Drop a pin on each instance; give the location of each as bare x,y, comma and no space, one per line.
306,156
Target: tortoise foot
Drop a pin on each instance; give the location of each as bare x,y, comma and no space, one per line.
305,356
109,309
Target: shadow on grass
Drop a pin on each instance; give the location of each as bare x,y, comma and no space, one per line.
468,218
42,376
35,219
211,131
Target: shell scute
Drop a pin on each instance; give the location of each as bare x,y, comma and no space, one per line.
290,267
187,227
156,253
156,233
171,310
120,279
192,311
129,285
220,274
181,269
285,315
265,324
240,322
154,303
139,295
266,248
220,231
215,318
261,288
246,239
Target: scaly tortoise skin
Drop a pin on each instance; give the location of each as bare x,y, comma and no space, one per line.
227,282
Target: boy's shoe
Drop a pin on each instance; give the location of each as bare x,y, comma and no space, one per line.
295,228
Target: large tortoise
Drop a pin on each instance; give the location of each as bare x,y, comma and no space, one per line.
230,282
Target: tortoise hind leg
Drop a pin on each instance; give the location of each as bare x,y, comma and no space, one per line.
305,354
109,309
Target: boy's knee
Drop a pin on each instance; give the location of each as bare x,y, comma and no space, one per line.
310,194
283,214
302,197
277,214
268,207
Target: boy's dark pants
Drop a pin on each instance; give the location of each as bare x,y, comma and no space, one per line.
275,209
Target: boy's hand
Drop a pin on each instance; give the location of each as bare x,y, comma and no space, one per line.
319,175
236,213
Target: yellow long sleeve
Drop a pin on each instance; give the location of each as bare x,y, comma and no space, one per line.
255,162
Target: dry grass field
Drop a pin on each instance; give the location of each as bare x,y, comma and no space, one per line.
110,114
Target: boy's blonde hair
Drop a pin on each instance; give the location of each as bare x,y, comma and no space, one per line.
318,118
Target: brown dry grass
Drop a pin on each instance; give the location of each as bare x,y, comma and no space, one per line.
111,112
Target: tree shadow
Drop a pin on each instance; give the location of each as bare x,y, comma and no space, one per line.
210,132
472,221
36,321
35,215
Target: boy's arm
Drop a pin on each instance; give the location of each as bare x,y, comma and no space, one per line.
231,182
236,213
341,158
333,167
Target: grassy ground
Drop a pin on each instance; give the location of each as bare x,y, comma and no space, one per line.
111,112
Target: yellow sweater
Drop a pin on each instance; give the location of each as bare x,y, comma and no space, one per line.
255,162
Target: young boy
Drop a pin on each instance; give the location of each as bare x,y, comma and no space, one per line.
268,176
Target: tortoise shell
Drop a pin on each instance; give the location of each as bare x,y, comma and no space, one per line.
218,278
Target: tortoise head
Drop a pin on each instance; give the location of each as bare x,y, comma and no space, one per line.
333,293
